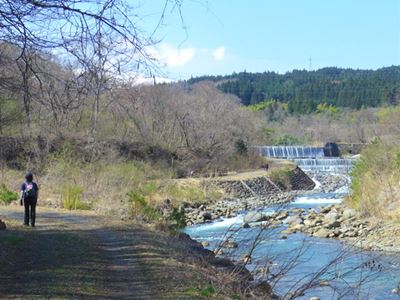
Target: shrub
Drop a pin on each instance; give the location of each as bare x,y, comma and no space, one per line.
177,219
71,198
240,147
140,207
288,140
7,196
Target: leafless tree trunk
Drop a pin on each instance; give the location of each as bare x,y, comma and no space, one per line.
101,38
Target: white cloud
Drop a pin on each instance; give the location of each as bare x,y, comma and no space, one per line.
219,53
176,57
186,60
142,80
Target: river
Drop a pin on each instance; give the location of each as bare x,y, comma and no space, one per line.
302,264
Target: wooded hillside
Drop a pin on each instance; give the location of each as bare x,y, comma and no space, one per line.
304,90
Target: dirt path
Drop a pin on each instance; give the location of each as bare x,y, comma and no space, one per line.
80,255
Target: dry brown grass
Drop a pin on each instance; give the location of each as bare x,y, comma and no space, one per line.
105,185
375,185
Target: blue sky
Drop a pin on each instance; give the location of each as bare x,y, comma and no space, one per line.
225,36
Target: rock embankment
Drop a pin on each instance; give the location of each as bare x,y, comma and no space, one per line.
334,221
300,181
340,222
203,213
259,186
245,195
264,186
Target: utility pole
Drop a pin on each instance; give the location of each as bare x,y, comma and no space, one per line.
310,64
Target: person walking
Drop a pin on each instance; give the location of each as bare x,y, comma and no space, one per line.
28,197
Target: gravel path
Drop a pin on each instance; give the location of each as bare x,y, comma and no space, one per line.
77,255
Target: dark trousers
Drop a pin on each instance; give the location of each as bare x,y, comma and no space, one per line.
30,211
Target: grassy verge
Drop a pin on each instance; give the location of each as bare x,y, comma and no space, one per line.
375,186
108,186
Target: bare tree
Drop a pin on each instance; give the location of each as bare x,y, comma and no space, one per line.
201,121
99,38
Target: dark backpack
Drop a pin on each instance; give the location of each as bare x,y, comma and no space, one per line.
30,192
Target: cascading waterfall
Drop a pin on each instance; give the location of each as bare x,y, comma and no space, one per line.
341,165
308,158
290,151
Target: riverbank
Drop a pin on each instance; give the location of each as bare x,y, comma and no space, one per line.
345,224
332,221
257,193
250,191
279,244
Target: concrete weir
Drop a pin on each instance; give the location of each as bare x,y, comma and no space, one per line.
324,159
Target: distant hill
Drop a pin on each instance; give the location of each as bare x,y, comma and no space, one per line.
304,90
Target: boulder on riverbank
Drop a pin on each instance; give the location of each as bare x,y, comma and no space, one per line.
338,221
253,217
230,207
248,194
329,222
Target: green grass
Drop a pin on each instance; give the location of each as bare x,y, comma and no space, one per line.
187,193
281,177
7,196
149,188
206,292
71,198
139,206
11,240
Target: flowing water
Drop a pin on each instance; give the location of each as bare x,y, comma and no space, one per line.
295,260
308,158
308,256
337,165
290,151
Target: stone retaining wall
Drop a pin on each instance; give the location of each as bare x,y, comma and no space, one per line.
300,181
263,186
259,186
